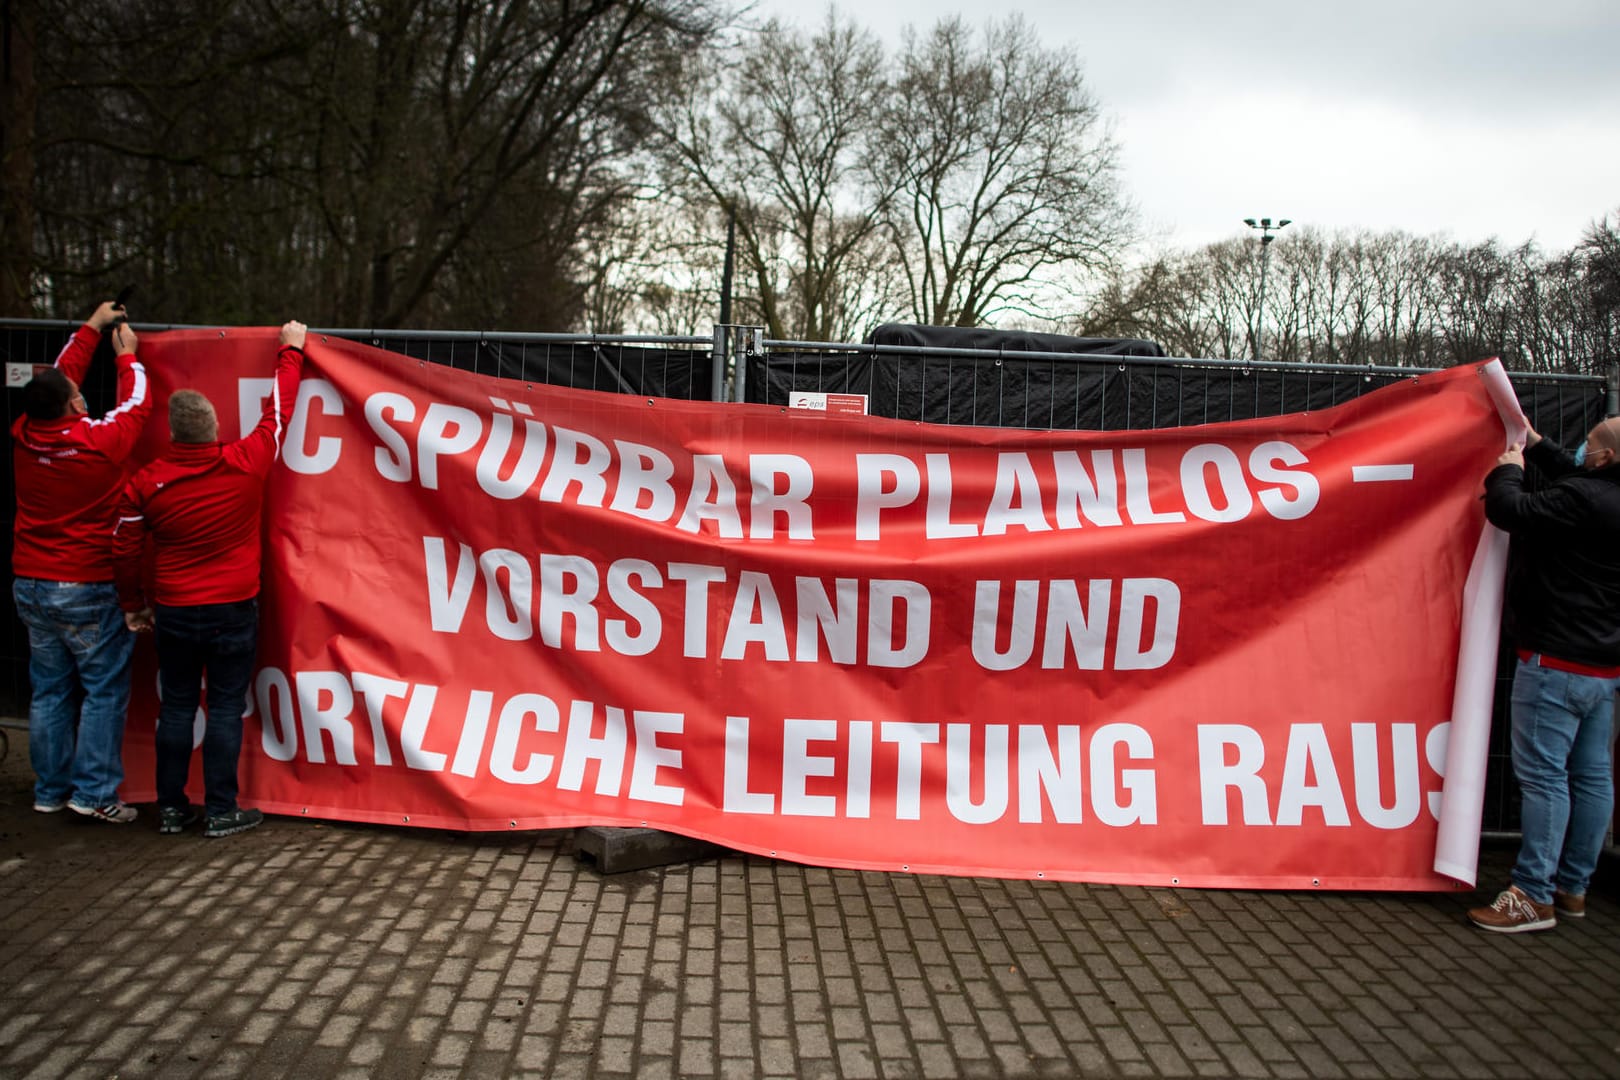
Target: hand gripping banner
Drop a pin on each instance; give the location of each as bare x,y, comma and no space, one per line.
1224,655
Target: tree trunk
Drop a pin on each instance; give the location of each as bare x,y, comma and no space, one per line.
17,99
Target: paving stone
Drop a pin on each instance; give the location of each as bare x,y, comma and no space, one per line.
305,948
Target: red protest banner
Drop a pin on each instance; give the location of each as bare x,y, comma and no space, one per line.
1218,656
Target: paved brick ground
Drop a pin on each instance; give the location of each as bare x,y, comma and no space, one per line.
312,950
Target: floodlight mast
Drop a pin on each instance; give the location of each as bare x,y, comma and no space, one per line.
1266,230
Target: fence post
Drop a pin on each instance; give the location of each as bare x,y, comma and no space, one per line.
717,377
750,342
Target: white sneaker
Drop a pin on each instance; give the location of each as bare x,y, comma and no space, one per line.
114,813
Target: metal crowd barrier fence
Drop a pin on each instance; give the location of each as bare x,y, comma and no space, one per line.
1046,390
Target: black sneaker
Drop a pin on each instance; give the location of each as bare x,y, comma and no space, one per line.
234,821
175,819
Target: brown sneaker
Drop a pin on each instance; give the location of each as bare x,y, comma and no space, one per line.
1573,906
1513,913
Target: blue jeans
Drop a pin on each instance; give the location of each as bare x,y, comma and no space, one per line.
216,641
78,665
1562,723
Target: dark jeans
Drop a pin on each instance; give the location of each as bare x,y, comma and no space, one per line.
216,641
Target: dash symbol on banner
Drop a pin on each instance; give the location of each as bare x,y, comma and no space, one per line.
1360,474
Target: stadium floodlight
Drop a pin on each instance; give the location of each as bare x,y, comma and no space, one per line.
1267,231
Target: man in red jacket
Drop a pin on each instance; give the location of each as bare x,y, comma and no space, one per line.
201,504
69,469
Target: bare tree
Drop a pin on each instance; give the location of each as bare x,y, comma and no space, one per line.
774,136
377,159
1003,170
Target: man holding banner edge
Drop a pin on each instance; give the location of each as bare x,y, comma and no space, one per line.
201,505
1563,617
69,468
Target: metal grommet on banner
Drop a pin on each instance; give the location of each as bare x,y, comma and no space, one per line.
1040,873
1316,883
407,819
649,401
513,824
1175,881
305,810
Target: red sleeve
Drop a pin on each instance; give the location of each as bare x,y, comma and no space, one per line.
129,544
256,451
74,359
116,433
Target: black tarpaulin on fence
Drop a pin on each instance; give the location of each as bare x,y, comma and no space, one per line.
1089,393
641,370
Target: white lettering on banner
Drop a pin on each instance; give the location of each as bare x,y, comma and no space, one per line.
1434,752
1142,784
701,492
991,773
1212,480
250,398
582,746
651,757
1069,626
393,456
252,393
529,738
295,449
503,756
325,702
644,489
375,691
766,503
1369,778
561,596
446,431
1139,495
1311,778
1263,462
818,763
799,765
524,471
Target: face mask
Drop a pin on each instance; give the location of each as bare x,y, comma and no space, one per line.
1580,456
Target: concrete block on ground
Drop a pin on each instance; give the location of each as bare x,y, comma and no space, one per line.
615,850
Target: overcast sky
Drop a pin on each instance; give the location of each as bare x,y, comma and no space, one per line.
1469,118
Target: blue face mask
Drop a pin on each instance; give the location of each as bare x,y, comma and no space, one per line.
1580,456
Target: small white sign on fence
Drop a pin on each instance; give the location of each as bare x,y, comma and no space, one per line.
852,404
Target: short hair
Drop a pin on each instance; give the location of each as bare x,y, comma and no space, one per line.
46,395
191,418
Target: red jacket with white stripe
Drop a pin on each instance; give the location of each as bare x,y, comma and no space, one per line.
201,505
69,472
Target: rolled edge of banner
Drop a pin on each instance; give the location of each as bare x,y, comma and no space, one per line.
1515,423
1465,873
1456,847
